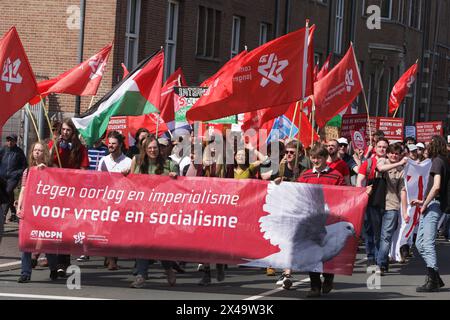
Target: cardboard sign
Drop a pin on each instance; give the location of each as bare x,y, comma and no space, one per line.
426,130
393,128
331,133
358,140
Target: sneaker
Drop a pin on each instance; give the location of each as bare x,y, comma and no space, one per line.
53,275
287,283
382,272
314,293
138,283
83,258
281,278
23,279
61,273
271,272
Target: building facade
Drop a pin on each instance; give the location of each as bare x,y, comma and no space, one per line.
201,35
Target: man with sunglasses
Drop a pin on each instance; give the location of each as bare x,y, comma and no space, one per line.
351,162
334,162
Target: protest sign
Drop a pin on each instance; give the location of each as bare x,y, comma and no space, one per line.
426,130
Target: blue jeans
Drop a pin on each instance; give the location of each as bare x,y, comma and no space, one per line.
372,232
427,232
388,226
26,264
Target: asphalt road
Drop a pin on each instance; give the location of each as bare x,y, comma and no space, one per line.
240,283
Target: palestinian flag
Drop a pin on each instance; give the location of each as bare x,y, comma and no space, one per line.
137,94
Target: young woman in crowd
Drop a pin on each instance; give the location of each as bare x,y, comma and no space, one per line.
39,157
68,153
431,210
150,161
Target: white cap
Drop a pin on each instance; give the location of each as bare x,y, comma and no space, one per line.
411,147
420,145
342,141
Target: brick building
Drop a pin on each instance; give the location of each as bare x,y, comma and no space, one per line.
201,35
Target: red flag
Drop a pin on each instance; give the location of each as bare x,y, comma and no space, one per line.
316,71
83,80
401,88
256,119
270,75
325,69
166,106
17,82
125,70
338,89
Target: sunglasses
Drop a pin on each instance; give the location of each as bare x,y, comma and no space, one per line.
290,152
343,145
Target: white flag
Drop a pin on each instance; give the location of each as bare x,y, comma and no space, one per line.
416,180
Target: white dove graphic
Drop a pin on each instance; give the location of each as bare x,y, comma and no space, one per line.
296,223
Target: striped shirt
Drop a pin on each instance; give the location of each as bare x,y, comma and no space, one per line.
326,176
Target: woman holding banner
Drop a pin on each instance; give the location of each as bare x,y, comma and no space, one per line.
71,154
151,161
40,158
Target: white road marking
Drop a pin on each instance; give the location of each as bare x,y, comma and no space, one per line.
10,264
268,293
37,296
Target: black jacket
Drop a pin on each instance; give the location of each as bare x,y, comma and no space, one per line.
12,163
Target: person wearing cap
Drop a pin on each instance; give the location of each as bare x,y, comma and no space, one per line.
165,147
349,160
412,152
420,152
12,164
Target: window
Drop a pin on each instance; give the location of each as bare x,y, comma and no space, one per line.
171,36
235,36
386,9
415,10
208,32
384,5
132,33
339,26
263,33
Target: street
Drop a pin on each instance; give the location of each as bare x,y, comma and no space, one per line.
240,284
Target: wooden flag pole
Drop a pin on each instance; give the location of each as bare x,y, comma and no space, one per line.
90,104
157,126
54,146
395,113
30,114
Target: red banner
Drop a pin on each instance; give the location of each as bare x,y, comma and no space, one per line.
426,130
393,128
253,222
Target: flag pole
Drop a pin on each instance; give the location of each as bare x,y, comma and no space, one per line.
364,94
298,142
90,104
293,119
30,114
51,132
313,117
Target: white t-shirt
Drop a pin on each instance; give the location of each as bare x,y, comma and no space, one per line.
108,164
